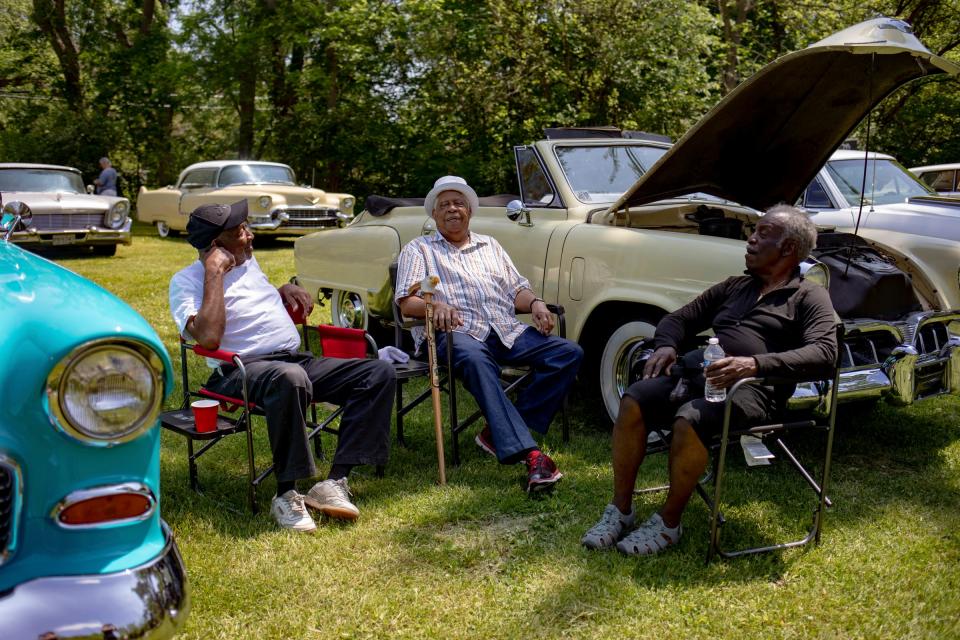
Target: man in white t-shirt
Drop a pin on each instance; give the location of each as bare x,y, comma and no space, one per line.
224,301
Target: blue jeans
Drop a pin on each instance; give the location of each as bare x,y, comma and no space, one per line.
555,362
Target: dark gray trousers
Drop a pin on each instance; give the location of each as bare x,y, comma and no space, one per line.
284,384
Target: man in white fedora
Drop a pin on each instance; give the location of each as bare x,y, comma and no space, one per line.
476,303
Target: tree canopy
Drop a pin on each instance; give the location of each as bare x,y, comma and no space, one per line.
383,96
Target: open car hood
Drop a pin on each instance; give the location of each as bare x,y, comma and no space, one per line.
766,140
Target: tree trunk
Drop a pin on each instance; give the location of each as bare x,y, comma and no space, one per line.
148,8
49,15
333,96
733,36
246,101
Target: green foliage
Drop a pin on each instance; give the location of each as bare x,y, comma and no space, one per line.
383,96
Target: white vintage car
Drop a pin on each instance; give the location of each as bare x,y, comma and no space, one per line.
621,229
278,206
942,178
64,214
898,211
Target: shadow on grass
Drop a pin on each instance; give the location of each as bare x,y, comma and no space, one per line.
483,523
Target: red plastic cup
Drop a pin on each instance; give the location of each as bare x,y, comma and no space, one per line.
205,415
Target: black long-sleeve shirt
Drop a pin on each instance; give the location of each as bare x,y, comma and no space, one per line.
790,331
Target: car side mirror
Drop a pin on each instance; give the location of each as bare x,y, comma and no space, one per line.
91,188
516,210
15,213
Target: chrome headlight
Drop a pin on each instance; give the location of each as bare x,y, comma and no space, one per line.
106,392
264,202
815,272
117,215
346,204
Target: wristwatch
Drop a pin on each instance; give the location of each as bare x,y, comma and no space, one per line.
536,300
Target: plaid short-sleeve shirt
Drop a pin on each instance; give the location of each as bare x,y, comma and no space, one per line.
478,279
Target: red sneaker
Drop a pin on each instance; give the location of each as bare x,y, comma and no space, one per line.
484,440
542,472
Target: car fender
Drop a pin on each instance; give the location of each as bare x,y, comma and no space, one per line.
660,269
321,261
932,262
161,205
39,326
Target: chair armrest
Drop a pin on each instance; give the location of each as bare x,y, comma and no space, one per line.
409,323
217,354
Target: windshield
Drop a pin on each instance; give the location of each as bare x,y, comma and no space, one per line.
41,180
603,174
255,174
887,182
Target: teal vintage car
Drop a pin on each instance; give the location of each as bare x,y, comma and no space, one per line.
83,551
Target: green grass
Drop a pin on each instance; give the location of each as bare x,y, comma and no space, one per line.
479,559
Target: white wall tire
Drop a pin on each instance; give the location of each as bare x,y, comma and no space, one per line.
614,363
164,230
348,309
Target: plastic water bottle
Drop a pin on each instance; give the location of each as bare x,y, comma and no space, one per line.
712,353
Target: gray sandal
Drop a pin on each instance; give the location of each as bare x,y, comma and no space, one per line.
650,538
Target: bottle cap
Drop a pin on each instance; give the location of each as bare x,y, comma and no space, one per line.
713,341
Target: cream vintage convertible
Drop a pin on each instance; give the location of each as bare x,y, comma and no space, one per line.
621,229
278,206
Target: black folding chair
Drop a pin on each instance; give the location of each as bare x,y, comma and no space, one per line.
511,378
820,418
235,415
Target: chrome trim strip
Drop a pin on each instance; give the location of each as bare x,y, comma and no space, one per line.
80,495
15,509
854,328
149,602
55,381
862,384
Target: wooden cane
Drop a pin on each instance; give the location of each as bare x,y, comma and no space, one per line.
427,287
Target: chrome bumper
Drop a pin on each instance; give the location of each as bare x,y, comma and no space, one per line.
150,601
298,219
81,236
908,374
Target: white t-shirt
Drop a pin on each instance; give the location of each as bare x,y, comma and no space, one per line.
256,322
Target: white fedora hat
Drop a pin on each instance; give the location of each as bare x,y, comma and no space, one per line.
451,183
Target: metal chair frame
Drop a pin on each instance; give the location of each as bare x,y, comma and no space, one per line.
770,433
181,421
512,378
417,368
773,432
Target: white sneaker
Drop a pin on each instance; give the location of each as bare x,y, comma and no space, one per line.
332,498
290,513
609,530
650,538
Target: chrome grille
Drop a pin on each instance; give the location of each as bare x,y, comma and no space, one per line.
56,221
8,492
311,218
866,349
931,337
930,379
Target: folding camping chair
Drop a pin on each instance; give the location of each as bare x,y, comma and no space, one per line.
511,378
819,419
235,415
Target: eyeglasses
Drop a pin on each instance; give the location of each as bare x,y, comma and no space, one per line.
458,204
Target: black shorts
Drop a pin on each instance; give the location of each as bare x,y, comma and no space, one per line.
752,405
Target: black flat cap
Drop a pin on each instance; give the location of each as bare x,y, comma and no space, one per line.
208,220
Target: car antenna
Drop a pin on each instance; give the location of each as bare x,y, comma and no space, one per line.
866,156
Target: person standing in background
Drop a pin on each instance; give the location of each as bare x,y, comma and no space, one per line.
107,182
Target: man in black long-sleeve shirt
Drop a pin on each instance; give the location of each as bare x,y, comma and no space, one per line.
770,322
